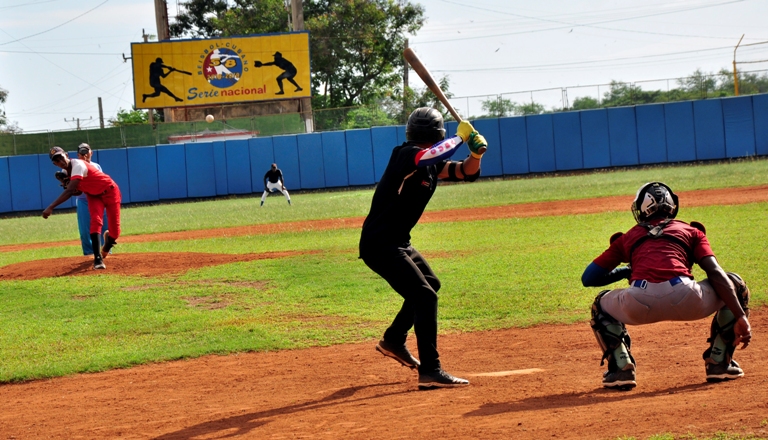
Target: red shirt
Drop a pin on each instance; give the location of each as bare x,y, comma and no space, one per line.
92,180
657,259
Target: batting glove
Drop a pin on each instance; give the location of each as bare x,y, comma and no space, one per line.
464,130
477,145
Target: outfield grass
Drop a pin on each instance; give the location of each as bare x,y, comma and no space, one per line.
238,211
512,273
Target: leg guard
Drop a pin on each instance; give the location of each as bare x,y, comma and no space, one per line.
742,291
611,336
721,334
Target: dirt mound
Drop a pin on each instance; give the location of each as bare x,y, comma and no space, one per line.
146,264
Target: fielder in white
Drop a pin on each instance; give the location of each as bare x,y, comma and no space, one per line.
273,180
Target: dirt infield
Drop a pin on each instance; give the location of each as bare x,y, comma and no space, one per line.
730,196
537,383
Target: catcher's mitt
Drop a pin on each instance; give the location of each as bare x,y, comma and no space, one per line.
257,64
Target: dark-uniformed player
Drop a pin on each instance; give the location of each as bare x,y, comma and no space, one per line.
273,180
402,194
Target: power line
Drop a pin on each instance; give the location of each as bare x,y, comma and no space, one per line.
55,27
567,25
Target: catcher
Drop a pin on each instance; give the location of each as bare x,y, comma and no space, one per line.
661,252
102,192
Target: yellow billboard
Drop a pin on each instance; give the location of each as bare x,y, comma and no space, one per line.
221,70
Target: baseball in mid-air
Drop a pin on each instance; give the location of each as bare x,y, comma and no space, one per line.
209,118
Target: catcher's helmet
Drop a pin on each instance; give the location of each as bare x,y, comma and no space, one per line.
425,125
654,200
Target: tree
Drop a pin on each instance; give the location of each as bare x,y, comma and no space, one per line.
529,108
198,18
366,117
498,107
253,17
129,117
585,103
356,45
5,126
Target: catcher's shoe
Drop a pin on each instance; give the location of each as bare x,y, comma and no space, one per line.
723,371
108,244
98,263
623,379
440,379
399,353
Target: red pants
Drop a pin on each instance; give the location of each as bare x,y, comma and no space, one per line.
110,201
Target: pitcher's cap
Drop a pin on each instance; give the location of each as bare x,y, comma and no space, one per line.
55,151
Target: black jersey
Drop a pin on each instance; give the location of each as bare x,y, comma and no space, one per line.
274,176
400,198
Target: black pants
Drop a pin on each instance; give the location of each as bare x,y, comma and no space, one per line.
409,274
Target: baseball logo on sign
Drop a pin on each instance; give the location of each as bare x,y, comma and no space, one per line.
222,67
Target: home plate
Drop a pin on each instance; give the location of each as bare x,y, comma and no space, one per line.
507,373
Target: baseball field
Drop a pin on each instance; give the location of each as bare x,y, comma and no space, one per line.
221,319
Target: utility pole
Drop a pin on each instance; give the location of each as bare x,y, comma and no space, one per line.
101,114
405,83
163,33
161,18
735,75
297,21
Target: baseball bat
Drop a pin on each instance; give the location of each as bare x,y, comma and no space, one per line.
182,71
425,76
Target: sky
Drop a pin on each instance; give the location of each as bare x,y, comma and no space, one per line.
57,57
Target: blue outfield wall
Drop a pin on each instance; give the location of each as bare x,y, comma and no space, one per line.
625,136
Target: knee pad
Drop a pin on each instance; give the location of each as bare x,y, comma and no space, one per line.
742,291
609,332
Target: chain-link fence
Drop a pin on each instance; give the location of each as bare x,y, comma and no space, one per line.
147,134
470,107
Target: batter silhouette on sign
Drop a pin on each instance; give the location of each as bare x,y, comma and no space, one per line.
157,71
289,71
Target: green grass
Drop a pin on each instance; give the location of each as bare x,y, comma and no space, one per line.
514,272
495,274
238,211
716,436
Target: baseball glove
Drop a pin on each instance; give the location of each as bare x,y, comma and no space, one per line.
257,64
62,177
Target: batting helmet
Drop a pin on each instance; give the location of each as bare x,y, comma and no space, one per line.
654,200
425,125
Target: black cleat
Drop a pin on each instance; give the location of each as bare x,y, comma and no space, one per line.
623,380
723,371
398,353
440,379
109,243
98,263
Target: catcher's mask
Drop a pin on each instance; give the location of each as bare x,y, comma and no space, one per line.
425,125
654,200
